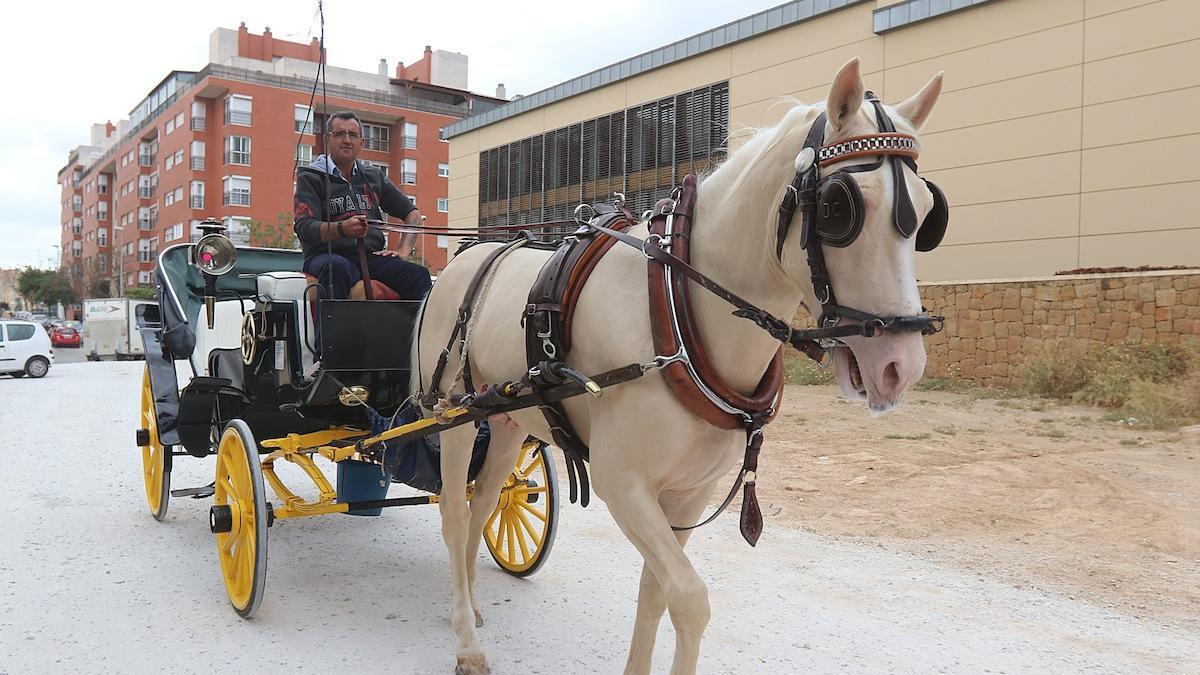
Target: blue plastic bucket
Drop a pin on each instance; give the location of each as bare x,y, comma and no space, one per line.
359,482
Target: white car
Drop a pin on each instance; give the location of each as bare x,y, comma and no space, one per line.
24,349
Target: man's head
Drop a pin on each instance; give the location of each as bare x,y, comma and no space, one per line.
345,137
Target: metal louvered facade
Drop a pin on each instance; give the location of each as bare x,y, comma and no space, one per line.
643,152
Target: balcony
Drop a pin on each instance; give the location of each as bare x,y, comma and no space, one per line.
144,256
237,157
197,164
408,177
144,224
197,201
237,117
199,123
147,159
147,192
382,145
77,207
410,142
236,199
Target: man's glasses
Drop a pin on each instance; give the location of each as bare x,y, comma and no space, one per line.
339,135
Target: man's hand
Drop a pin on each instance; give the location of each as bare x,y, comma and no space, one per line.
355,226
389,253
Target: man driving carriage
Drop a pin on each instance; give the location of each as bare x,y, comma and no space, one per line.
335,196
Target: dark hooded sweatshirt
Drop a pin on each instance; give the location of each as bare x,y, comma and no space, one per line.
366,192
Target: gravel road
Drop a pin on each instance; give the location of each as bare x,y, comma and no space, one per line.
90,583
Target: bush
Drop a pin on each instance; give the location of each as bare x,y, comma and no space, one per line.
1158,384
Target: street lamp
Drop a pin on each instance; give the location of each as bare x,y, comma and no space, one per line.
57,256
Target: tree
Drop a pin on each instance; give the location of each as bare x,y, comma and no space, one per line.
45,287
274,235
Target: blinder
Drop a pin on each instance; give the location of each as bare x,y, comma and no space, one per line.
832,207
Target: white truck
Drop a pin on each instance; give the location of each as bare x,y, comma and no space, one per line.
110,329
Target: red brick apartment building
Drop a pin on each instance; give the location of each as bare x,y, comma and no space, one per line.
224,141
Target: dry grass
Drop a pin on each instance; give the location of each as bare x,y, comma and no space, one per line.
1152,385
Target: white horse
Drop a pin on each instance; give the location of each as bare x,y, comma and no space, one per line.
651,480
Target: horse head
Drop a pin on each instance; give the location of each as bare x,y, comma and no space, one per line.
868,228
842,232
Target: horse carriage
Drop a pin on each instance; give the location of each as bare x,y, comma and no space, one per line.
825,211
242,318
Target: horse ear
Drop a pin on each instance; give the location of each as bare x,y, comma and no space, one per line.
917,108
845,94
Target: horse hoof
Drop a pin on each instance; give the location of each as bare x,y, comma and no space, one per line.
478,619
472,665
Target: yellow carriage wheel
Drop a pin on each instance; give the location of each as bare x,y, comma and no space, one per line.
239,518
520,532
156,458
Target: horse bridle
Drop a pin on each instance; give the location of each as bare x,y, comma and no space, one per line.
833,212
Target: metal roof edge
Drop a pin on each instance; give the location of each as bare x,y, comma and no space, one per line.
787,14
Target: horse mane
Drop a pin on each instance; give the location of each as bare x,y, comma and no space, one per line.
746,192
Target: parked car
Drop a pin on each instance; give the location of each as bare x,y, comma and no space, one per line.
25,349
64,336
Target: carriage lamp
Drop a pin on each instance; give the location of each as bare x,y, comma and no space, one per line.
214,255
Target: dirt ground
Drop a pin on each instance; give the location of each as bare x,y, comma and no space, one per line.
1024,491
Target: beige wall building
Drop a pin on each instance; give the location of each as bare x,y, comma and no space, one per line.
1068,133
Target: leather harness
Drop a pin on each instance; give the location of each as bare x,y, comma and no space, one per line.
680,352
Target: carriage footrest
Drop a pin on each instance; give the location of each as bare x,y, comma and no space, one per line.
196,492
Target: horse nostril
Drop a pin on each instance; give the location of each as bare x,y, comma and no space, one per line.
890,382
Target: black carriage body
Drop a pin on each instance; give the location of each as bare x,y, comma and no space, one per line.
364,343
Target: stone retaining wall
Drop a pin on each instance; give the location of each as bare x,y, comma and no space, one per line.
993,326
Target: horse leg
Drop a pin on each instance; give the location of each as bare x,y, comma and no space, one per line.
652,600
456,460
642,519
501,457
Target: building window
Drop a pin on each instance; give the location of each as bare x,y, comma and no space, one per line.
77,225
237,228
102,184
76,203
147,153
143,218
237,150
642,152
235,191
144,250
77,247
443,204
443,170
197,155
197,194
443,241
237,110
304,119
173,232
375,137
198,116
410,136
143,277
408,171
102,235
304,153
170,126
102,210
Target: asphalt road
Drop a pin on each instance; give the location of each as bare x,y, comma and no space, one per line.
90,583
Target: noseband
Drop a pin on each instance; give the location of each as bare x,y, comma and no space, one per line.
833,213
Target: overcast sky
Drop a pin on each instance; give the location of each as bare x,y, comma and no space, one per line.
68,64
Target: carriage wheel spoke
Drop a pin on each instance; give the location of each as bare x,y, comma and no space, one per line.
521,541
533,533
511,535
541,515
227,544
